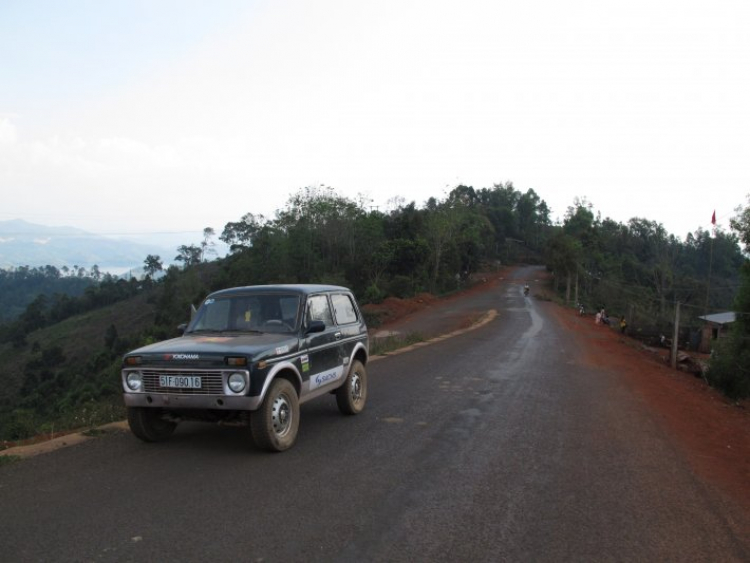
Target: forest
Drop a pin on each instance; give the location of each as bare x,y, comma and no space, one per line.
61,354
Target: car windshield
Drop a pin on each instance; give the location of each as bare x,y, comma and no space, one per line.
247,313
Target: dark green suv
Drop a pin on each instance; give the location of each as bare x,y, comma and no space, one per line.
252,355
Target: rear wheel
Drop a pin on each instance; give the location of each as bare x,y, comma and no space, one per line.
352,395
274,425
149,424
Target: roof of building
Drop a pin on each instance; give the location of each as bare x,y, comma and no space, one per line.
720,318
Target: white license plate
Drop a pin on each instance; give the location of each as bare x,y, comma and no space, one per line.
180,381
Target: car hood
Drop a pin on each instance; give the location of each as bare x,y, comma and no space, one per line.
205,350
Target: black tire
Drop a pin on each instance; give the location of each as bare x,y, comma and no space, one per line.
352,395
148,424
274,425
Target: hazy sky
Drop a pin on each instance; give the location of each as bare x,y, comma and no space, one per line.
128,116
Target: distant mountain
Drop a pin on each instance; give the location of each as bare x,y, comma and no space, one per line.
29,244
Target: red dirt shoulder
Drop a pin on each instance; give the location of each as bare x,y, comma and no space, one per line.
712,430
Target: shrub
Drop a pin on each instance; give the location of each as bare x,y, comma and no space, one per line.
729,370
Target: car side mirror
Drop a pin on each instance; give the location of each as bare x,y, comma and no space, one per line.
181,328
315,326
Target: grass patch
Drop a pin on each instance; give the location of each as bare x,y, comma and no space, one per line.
8,459
387,344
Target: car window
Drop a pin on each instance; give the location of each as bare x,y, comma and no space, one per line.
213,315
344,309
265,313
318,310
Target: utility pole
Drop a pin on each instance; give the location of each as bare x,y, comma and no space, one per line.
710,267
676,334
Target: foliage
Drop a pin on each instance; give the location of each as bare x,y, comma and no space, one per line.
21,286
152,264
729,369
638,269
387,344
8,459
44,310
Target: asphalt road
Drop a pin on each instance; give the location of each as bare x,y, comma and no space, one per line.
495,445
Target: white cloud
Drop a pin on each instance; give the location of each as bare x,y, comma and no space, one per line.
8,133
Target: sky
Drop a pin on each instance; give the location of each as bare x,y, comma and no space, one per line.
158,117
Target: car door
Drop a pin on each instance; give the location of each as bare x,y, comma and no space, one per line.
348,321
322,365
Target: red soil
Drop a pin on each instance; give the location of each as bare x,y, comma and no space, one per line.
713,431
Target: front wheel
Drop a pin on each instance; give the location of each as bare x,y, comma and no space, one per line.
352,395
149,425
274,425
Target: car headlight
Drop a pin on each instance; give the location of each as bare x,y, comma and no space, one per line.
236,382
134,380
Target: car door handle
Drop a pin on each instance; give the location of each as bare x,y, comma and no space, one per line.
337,336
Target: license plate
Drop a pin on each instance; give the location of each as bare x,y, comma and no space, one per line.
180,381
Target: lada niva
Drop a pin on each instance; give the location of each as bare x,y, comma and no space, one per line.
251,355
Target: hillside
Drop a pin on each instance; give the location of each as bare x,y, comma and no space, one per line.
84,360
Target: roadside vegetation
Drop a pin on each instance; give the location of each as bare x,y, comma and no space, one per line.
391,343
60,356
730,364
640,272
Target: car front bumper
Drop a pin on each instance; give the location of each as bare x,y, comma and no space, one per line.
177,401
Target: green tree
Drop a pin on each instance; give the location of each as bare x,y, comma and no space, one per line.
729,369
740,223
190,255
152,264
208,246
240,235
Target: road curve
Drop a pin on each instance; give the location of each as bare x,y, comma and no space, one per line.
497,445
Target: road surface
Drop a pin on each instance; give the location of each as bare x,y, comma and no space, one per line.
495,445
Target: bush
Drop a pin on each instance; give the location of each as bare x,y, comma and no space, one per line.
401,287
19,425
373,294
729,370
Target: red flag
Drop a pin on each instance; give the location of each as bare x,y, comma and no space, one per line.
713,218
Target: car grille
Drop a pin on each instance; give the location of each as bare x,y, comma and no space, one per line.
212,382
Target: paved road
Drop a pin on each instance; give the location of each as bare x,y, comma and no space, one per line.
497,445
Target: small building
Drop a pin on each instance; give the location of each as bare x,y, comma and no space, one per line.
717,326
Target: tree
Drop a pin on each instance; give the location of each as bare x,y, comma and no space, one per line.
241,234
439,227
152,264
740,223
207,245
563,257
729,369
190,255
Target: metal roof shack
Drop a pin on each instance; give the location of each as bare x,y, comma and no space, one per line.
716,327
720,318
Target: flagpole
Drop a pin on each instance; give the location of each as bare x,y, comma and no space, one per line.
710,260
